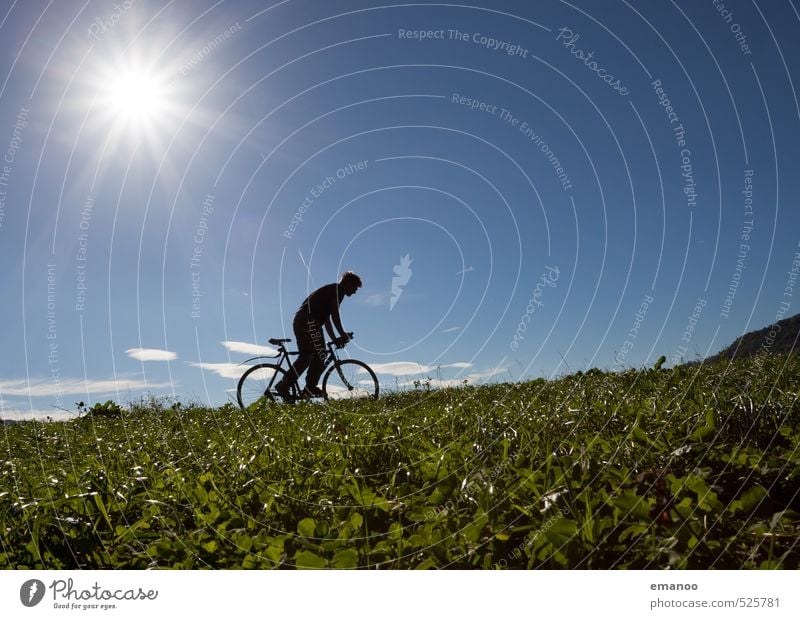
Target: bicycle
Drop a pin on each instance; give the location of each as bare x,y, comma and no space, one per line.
344,379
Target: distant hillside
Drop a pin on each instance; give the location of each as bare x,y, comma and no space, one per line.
777,338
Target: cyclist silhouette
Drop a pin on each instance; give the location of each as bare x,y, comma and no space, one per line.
320,308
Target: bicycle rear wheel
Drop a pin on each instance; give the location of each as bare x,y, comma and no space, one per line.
257,386
350,379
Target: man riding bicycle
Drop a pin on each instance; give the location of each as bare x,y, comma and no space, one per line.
320,308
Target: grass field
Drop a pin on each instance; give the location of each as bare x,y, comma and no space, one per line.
693,467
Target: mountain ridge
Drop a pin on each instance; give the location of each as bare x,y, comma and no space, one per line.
776,338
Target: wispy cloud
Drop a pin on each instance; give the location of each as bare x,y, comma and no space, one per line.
27,414
398,368
471,379
151,354
467,270
478,376
450,330
47,388
405,368
377,298
225,370
250,349
437,383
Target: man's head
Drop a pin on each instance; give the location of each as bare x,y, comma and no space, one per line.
350,282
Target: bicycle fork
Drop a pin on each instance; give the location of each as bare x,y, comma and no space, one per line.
343,377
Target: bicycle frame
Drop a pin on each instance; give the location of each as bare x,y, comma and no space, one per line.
284,355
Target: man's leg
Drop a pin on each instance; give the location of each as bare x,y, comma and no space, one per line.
296,370
317,359
305,347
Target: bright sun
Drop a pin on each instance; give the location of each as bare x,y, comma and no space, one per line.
135,97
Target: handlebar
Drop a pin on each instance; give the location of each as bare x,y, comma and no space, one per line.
341,344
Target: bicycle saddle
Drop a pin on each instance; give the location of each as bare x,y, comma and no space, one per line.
276,342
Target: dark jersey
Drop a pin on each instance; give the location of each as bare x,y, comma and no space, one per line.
322,303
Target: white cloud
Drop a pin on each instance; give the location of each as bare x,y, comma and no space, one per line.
478,376
250,349
225,370
20,414
405,368
436,382
377,298
151,354
472,379
399,368
450,330
48,388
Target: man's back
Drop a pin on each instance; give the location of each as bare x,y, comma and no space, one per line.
323,302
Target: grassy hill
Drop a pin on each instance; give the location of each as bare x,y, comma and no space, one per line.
780,338
692,467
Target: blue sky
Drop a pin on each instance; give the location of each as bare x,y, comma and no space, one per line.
177,177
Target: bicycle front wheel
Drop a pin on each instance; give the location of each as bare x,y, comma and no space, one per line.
350,380
257,386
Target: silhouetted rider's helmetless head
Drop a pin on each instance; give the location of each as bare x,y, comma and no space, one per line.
350,282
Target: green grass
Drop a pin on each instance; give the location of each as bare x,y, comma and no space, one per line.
694,467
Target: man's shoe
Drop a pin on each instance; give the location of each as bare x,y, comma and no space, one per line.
312,391
283,391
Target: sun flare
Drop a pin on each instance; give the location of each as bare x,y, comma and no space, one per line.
135,97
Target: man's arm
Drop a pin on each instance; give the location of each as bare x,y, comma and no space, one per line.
329,329
338,321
